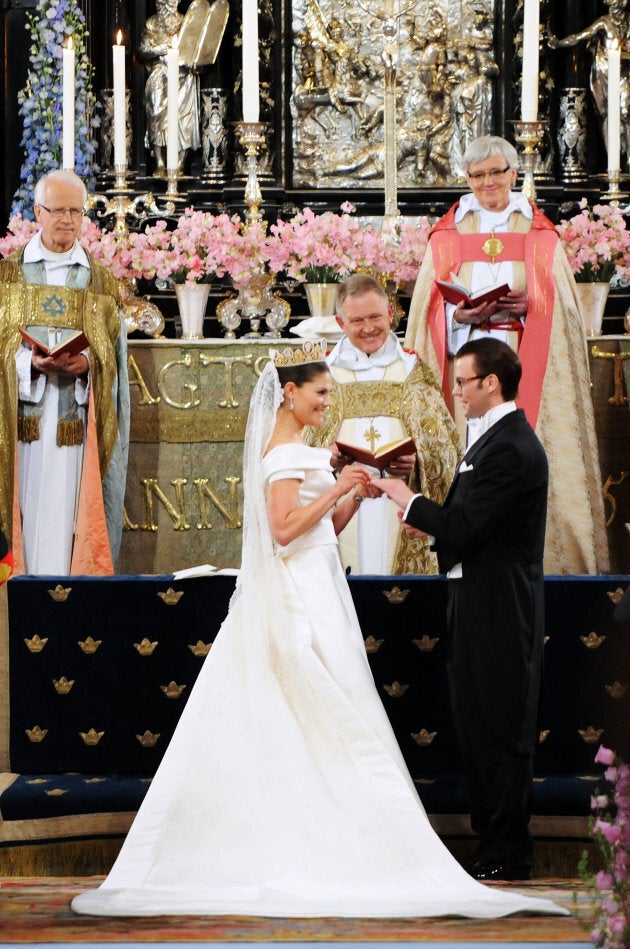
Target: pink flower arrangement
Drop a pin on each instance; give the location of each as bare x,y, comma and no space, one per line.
19,233
202,247
611,828
199,249
597,243
325,248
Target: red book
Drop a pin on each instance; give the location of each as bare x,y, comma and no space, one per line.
382,457
455,293
75,342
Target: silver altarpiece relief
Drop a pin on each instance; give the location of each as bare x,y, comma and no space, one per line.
445,68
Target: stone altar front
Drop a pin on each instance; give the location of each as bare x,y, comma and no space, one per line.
189,403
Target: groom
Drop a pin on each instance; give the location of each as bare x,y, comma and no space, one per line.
489,537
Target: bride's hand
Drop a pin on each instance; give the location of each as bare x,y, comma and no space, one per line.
354,476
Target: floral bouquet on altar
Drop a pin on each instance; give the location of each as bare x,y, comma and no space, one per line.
611,828
325,248
597,243
196,251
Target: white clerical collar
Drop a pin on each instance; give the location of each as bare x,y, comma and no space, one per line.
348,356
517,202
479,426
35,251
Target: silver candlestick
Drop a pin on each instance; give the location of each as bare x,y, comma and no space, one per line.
252,138
529,135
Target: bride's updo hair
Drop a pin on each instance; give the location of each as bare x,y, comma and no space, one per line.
302,373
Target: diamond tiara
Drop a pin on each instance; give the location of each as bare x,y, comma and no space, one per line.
309,351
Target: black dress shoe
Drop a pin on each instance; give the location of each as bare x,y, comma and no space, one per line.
499,871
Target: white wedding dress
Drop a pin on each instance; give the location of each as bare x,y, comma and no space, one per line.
283,791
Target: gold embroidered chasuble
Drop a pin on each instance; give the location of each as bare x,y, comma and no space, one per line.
415,401
95,310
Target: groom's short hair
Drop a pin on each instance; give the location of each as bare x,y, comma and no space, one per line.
494,356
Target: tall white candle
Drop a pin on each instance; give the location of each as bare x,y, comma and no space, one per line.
614,106
251,90
172,108
529,79
67,106
120,105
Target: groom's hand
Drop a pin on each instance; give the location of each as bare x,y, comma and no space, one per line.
395,489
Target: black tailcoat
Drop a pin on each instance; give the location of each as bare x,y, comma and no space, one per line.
493,523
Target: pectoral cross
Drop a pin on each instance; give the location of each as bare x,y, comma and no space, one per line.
493,247
371,435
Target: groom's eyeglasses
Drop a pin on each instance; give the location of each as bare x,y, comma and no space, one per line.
460,383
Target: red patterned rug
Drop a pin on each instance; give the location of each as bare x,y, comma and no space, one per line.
38,911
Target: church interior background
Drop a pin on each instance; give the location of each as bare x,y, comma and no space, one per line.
370,102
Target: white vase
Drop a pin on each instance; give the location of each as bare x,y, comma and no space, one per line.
592,299
191,301
322,298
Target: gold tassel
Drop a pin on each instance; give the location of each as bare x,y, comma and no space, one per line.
70,432
28,428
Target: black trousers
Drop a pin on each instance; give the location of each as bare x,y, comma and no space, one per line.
498,771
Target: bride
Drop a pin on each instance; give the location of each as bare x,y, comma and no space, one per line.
283,791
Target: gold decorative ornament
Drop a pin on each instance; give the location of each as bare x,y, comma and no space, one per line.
618,397
36,734
426,644
395,690
492,247
592,641
63,685
607,495
546,640
56,792
145,648
543,735
172,690
91,738
171,597
89,645
539,780
395,595
310,351
615,595
149,739
590,735
588,777
372,645
94,780
35,644
199,648
38,781
617,690
423,737
59,594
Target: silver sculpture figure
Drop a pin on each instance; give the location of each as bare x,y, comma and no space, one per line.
613,26
442,54
198,35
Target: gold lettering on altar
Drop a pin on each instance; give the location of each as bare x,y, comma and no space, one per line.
228,363
136,379
177,512
205,493
186,362
151,488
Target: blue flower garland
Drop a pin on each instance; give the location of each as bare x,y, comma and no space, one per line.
41,100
